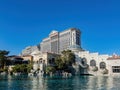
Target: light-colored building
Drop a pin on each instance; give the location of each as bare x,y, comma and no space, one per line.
59,41
86,62
43,59
27,57
95,64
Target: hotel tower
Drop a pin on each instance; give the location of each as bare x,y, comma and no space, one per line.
59,41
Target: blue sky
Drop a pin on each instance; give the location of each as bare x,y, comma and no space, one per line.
27,22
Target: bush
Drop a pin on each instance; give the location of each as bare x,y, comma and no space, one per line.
23,68
50,69
5,69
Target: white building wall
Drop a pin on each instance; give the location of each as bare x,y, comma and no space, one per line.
110,63
93,56
98,58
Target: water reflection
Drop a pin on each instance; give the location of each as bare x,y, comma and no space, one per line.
59,83
38,83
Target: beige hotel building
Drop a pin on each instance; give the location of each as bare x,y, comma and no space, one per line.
59,41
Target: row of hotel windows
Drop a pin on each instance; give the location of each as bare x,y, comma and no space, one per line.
54,37
65,34
116,70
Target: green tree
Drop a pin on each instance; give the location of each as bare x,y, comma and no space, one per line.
3,58
29,67
59,63
23,68
66,59
50,69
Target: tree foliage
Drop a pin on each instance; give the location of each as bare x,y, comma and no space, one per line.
59,63
50,69
23,68
66,59
3,58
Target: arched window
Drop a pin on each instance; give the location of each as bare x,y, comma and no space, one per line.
102,65
92,63
84,61
40,60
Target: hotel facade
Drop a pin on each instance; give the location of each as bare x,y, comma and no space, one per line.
59,41
86,62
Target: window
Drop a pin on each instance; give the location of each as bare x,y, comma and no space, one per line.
116,69
53,60
50,61
92,63
102,65
40,60
84,61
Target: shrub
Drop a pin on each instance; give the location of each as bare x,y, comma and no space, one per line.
50,69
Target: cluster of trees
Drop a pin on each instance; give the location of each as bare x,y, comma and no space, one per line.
23,68
3,58
66,59
4,61
62,62
50,69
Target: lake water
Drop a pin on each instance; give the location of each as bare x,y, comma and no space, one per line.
59,83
